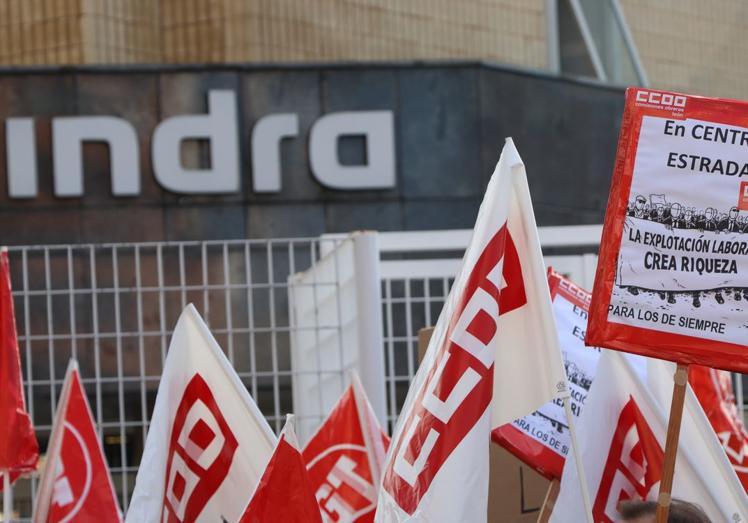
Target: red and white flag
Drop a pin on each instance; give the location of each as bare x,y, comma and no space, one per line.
542,439
208,444
713,389
622,438
493,357
19,450
285,492
75,484
344,459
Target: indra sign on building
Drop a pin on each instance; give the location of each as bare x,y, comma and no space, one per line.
220,129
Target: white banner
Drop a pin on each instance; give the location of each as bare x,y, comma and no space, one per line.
662,258
683,261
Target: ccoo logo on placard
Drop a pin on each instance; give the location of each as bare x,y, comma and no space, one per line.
663,100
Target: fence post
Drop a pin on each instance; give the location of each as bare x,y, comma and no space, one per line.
369,305
7,497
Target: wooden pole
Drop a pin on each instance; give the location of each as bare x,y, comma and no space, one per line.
549,502
7,497
424,337
581,474
671,442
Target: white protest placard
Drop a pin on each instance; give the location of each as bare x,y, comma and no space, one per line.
672,278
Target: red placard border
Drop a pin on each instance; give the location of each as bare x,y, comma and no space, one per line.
628,338
532,453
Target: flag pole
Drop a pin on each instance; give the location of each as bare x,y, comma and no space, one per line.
680,379
7,497
578,460
549,502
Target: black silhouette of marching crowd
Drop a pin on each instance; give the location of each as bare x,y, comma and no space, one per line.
677,216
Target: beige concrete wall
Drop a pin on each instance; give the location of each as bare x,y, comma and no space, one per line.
180,31
120,31
510,31
696,46
196,31
36,32
61,32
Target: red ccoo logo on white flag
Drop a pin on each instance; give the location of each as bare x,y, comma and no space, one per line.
75,484
493,357
622,436
208,444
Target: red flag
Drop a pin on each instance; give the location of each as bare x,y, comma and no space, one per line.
284,493
19,450
344,459
713,389
75,484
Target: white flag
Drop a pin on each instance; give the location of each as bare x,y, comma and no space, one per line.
208,444
493,357
622,438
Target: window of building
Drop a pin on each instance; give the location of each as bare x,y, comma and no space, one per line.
590,38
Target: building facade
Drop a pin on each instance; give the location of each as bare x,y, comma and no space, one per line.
88,162
129,192
154,154
691,46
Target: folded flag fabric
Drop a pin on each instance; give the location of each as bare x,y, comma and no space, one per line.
541,439
285,492
19,450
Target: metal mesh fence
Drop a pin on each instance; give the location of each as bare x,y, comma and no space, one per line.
113,307
409,304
